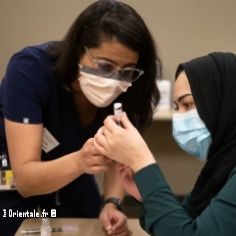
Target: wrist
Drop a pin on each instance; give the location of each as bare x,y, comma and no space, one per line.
146,160
80,166
113,202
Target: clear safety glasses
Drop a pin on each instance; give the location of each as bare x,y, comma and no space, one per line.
108,69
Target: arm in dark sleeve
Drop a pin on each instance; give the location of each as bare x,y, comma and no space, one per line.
25,87
164,215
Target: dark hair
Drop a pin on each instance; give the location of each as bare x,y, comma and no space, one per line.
178,71
105,20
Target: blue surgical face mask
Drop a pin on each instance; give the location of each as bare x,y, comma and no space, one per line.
191,134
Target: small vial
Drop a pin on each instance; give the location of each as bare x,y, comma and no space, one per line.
118,109
46,229
4,160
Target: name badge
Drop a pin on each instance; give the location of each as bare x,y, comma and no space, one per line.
49,142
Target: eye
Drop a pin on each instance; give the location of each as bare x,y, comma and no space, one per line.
185,102
105,66
189,106
128,74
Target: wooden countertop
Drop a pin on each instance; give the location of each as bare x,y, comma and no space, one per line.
75,226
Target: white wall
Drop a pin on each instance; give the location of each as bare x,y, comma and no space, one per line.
182,28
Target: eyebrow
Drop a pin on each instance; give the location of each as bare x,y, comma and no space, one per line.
132,64
182,97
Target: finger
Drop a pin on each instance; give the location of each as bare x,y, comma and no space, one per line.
121,167
110,124
125,121
89,146
101,167
95,160
106,132
96,169
126,173
107,226
89,141
100,144
100,160
119,226
100,140
100,131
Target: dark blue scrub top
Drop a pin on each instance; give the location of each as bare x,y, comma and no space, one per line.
30,94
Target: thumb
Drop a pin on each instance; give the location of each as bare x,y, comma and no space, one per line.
125,121
106,222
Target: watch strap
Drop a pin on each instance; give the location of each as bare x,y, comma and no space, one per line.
116,201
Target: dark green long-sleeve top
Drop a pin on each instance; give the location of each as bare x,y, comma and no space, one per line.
165,215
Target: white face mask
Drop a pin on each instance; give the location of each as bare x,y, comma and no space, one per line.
101,91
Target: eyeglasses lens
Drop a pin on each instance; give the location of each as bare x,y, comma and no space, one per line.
105,67
129,74
109,69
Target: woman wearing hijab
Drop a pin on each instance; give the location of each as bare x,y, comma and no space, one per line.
204,125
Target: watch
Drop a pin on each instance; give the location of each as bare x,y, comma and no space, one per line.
116,201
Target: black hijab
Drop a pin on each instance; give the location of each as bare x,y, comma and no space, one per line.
212,80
